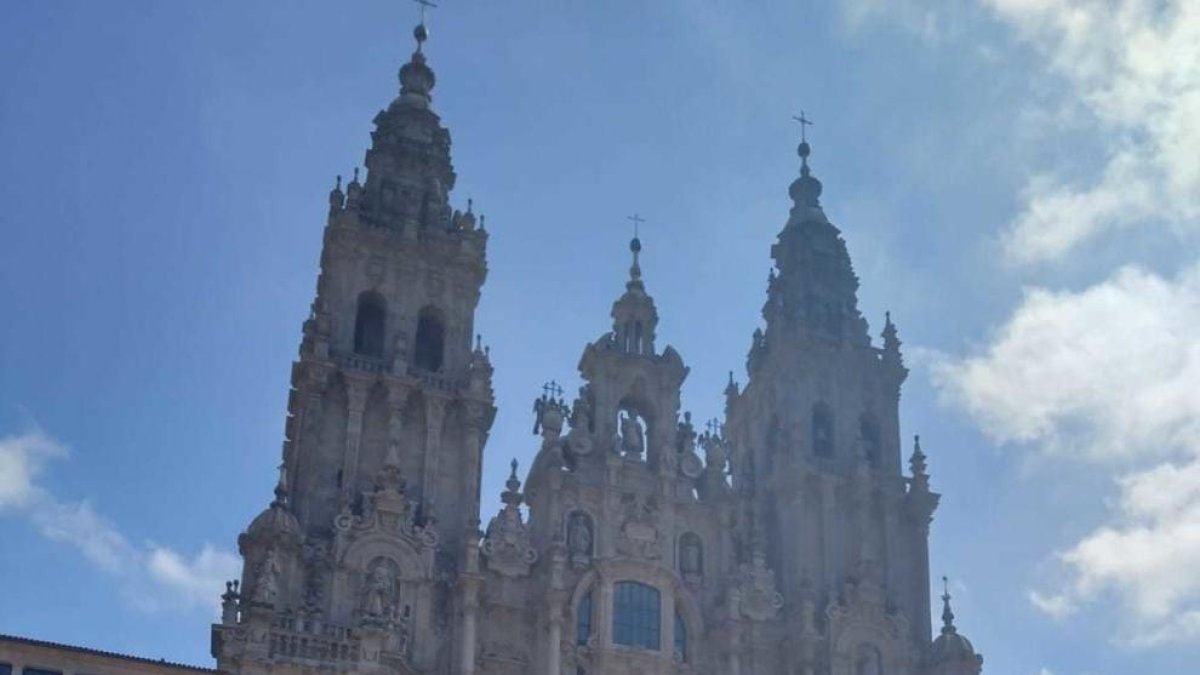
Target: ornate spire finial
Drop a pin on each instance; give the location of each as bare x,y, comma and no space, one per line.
635,247
281,487
512,493
421,33
806,190
947,614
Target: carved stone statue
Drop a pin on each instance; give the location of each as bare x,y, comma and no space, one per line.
579,537
266,584
379,595
868,661
690,557
633,439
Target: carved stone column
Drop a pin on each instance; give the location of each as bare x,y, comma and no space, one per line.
470,581
435,411
356,396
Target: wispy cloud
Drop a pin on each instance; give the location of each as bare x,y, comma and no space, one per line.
154,576
1108,376
1129,71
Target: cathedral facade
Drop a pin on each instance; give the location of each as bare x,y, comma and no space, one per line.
785,539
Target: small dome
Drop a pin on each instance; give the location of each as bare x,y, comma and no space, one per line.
274,522
416,77
806,191
950,646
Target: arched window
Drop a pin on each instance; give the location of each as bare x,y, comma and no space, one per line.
583,620
369,324
637,613
431,340
680,638
822,430
868,431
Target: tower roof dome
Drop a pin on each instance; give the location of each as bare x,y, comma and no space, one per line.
277,519
950,647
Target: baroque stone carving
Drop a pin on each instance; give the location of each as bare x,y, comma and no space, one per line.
638,535
266,581
580,540
760,599
507,544
633,438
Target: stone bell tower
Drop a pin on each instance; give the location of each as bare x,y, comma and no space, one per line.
354,564
817,453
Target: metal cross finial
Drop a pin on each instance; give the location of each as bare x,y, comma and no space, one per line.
552,390
424,4
636,220
804,124
714,427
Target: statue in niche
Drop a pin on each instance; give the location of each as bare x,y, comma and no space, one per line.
633,439
579,537
868,661
266,584
690,556
379,595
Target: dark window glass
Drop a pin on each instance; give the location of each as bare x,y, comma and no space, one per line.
583,620
5,669
637,612
368,325
680,638
38,671
431,338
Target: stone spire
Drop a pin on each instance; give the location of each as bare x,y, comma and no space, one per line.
634,314
815,289
952,653
416,77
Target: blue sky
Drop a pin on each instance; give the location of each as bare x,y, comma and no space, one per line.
1016,180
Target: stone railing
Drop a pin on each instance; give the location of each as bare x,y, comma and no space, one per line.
370,364
333,643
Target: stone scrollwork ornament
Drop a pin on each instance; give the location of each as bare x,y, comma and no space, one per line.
760,597
507,545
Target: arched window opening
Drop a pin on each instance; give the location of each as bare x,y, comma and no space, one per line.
430,345
680,638
369,324
637,337
868,431
637,613
822,430
583,620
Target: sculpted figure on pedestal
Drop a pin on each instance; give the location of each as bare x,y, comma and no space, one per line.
633,439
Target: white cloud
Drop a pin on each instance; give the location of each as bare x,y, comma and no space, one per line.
1057,606
1108,375
1111,372
154,576
21,461
1130,72
196,580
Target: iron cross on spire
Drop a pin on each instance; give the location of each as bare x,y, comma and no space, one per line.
637,221
714,426
552,390
804,124
425,4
